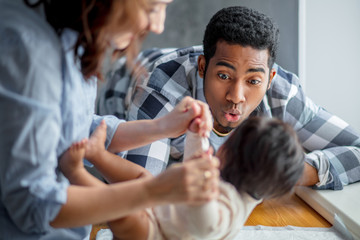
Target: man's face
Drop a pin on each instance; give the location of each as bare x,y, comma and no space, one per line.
235,82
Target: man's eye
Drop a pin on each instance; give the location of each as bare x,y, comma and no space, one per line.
223,76
254,82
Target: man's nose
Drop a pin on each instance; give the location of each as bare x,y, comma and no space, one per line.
236,93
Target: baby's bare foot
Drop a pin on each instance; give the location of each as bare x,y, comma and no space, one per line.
96,143
77,150
72,159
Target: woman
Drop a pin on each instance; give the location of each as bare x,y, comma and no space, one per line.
50,52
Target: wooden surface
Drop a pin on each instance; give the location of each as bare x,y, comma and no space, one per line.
288,210
95,229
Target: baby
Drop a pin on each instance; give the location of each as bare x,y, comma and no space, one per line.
116,169
262,159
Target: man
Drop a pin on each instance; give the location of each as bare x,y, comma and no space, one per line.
236,75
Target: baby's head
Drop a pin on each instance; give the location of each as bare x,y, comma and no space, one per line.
262,157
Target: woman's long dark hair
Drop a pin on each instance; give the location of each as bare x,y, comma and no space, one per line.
96,21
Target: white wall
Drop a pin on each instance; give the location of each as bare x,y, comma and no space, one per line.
329,64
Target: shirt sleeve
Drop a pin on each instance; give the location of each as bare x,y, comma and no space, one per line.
32,190
333,150
332,145
112,124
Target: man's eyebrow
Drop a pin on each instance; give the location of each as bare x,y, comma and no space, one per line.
260,69
225,64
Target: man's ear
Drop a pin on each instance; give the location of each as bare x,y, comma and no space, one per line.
272,75
201,65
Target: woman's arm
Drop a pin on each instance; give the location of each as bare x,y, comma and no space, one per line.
90,205
143,132
179,184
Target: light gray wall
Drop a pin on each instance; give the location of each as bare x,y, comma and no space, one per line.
332,56
186,21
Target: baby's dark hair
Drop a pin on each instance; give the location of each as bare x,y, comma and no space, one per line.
243,26
263,157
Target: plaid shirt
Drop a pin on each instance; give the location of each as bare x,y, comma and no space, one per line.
332,146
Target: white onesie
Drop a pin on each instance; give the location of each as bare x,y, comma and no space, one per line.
219,219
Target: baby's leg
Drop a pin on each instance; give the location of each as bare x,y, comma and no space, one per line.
134,226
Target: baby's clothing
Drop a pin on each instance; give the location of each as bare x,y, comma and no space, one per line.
219,219
195,145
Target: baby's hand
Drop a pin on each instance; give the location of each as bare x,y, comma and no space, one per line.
71,162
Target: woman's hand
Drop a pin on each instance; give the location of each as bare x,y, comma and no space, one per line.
193,182
178,120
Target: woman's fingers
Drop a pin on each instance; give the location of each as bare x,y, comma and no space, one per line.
204,179
192,182
200,111
207,123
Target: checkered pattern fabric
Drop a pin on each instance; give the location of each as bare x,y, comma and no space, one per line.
332,146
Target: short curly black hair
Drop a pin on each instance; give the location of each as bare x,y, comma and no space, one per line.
263,157
244,26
